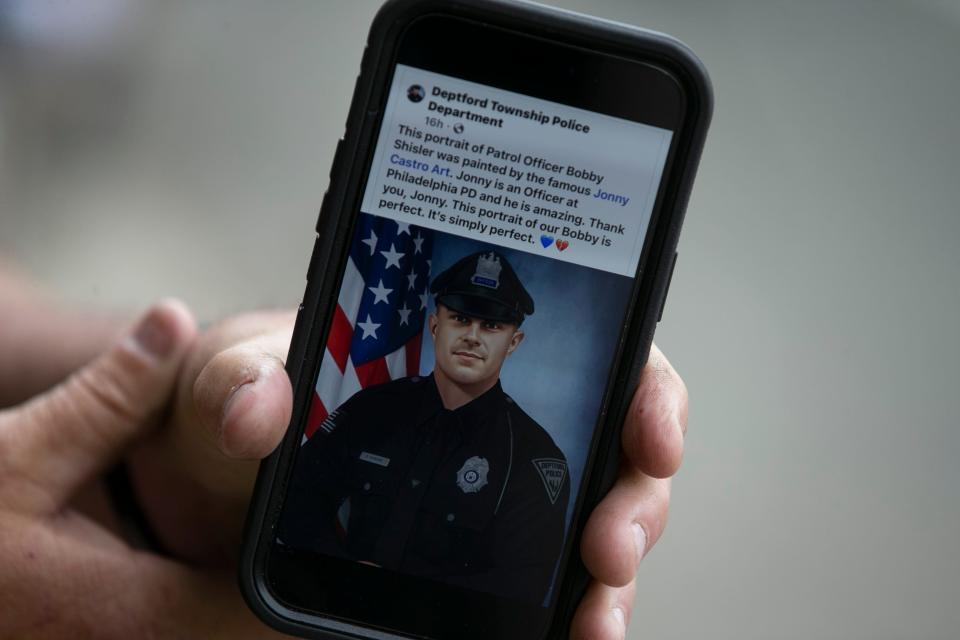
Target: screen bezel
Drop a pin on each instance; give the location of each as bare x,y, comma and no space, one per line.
286,575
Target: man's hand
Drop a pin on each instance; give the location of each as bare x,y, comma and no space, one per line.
233,405
61,574
194,478
630,519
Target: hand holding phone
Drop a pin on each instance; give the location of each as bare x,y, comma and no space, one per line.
494,253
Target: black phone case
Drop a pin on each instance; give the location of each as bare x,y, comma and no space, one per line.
332,242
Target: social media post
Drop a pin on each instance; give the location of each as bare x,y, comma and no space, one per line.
454,409
521,172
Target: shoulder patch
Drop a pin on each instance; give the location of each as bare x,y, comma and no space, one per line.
553,472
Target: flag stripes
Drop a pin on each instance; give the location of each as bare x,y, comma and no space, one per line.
377,328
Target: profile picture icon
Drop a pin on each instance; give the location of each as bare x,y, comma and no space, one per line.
415,93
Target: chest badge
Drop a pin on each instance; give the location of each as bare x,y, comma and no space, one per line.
473,475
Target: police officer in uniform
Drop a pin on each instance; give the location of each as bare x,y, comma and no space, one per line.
442,476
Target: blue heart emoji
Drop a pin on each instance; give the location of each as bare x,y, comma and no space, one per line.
546,241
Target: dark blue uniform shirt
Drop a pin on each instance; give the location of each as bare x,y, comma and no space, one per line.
475,497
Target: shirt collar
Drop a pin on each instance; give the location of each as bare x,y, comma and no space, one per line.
471,415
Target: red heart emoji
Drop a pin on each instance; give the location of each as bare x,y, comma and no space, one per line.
562,244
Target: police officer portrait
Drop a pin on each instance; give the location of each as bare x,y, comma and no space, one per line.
438,471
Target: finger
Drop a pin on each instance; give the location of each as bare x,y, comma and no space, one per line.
195,605
625,526
603,613
657,419
66,435
244,398
56,585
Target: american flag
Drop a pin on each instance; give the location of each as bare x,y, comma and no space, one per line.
378,324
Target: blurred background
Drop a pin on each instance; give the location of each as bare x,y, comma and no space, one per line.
182,148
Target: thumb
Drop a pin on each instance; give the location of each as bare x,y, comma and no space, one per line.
59,439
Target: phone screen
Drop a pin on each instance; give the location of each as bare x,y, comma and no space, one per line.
480,313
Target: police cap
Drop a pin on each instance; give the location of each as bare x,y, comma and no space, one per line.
483,285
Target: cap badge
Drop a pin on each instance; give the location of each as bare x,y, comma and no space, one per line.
488,271
473,475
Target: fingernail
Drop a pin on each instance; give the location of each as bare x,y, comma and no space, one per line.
640,540
621,619
153,335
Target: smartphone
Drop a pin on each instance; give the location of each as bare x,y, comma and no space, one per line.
492,257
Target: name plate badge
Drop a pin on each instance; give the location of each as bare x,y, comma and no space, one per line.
375,459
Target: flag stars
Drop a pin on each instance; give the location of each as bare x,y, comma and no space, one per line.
423,299
403,228
369,328
411,279
418,244
371,242
404,314
393,257
380,293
